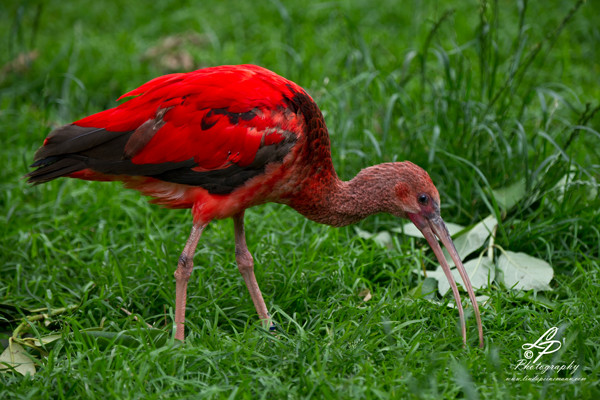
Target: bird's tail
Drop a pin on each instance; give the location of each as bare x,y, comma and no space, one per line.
72,148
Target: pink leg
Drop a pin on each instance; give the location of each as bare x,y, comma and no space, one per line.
245,264
182,276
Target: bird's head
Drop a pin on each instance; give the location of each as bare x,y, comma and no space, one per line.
416,198
414,192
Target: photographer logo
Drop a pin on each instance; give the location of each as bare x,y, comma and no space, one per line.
533,361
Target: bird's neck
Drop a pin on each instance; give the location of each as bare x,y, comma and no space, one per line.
316,191
338,203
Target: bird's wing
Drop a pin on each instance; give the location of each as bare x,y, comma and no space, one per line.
214,127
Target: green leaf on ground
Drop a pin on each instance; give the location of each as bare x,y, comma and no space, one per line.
474,239
522,271
426,289
410,229
480,270
508,196
383,238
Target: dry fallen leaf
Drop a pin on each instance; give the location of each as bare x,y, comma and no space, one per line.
20,64
365,294
172,53
15,357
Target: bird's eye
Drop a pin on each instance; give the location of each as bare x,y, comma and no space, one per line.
423,199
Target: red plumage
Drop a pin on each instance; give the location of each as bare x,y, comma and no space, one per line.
217,117
220,140
189,97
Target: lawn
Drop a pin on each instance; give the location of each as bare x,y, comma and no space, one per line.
484,95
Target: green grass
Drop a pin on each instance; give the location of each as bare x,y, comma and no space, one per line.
481,94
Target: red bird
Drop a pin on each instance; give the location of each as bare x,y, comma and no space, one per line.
220,140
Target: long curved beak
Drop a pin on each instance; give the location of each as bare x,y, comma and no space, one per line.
434,226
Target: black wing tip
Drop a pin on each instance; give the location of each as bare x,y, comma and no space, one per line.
44,161
51,168
35,177
36,181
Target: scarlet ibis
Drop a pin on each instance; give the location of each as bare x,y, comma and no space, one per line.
220,140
